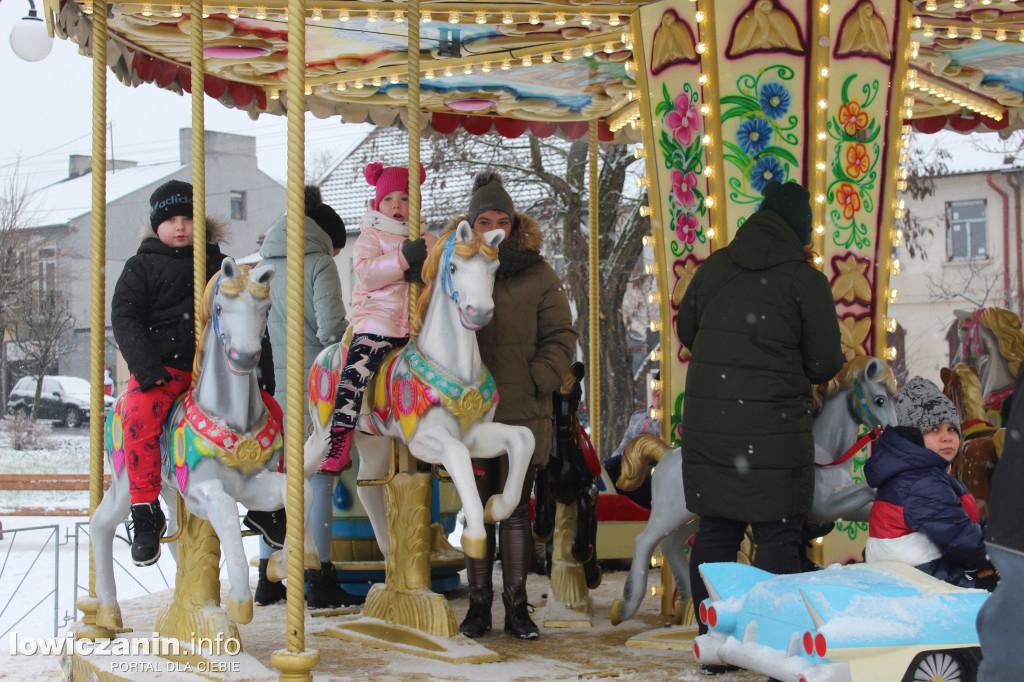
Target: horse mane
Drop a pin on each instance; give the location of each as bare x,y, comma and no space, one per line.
963,388
231,288
845,378
636,460
1007,329
430,266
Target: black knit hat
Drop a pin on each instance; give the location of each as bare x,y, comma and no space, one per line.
792,201
170,199
489,194
325,216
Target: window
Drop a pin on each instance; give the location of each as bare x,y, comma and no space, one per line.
966,230
237,205
47,285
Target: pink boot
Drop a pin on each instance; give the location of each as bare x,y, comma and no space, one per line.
339,455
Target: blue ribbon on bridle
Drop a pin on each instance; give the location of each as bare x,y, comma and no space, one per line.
862,406
213,313
447,285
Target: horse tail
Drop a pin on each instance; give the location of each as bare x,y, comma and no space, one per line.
636,459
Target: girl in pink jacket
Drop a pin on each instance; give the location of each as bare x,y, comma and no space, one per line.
385,260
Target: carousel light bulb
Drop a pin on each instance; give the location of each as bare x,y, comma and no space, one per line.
453,17
928,31
567,56
341,87
232,11
820,166
824,8
261,12
653,326
546,58
585,19
700,16
951,32
975,33
147,9
506,17
820,199
588,51
399,17
893,295
486,67
645,211
901,186
343,15
890,324
308,89
429,73
318,14
711,230
527,61
959,4
915,49
702,79
823,104
1001,34
904,158
818,260
425,16
613,20
275,94
371,15
705,109
709,202
638,153
651,298
393,78
467,69
654,356
645,240
931,6
707,171
376,81
890,353
895,266
448,72
642,182
358,84
534,18
705,140
917,22
823,72
506,64
481,17
88,7
1020,36
609,48
897,238
559,18
821,135
819,229
206,13
702,48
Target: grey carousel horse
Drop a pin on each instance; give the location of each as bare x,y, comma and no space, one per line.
860,395
991,340
221,444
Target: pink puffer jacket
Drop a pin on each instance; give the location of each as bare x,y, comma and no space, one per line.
380,297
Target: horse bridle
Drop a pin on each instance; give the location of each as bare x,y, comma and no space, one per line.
447,285
213,313
973,327
862,406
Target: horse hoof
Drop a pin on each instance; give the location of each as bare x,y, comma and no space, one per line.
616,614
311,560
109,617
489,515
240,611
474,548
276,569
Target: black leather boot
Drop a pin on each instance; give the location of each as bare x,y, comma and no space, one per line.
271,524
323,591
148,526
517,616
478,619
268,592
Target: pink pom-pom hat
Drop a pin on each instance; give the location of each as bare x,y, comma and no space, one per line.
389,179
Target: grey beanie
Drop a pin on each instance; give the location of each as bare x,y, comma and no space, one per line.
922,405
489,194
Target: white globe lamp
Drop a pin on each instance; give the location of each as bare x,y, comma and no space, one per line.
29,38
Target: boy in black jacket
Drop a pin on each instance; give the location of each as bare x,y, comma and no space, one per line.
151,313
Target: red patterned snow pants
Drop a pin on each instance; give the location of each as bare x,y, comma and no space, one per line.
145,413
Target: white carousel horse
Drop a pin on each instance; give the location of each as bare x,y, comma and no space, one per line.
992,341
221,444
860,395
435,394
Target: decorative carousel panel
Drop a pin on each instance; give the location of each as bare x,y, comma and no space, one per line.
679,190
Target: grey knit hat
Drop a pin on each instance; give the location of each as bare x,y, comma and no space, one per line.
489,193
921,404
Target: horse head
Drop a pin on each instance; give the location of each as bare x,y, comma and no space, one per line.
462,265
860,395
991,339
236,305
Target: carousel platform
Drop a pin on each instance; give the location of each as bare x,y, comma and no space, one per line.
596,652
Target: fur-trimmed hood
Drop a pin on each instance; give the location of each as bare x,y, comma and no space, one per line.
216,230
526,229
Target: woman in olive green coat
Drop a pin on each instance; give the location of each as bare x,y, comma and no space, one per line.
527,346
761,326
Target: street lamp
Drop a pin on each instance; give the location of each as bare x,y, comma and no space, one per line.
29,37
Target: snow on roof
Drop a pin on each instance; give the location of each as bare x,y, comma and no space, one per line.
975,152
62,202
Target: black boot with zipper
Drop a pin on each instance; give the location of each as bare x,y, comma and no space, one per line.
323,591
478,619
517,616
267,592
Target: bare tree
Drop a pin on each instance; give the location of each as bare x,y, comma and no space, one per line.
975,282
318,163
45,327
924,164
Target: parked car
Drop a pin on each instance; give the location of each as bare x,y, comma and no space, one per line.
64,399
877,622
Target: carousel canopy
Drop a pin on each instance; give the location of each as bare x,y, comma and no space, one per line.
543,67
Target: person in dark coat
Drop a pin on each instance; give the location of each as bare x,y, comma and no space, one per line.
922,515
527,346
151,314
1001,619
761,327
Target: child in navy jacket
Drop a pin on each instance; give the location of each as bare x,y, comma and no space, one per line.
922,515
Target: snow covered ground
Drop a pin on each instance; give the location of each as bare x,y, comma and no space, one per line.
31,606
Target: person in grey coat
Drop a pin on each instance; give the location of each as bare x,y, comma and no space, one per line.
324,323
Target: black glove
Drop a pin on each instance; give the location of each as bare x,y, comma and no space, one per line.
415,252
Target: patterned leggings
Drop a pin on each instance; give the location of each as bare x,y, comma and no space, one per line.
145,413
365,354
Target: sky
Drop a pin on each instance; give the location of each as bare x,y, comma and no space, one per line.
48,116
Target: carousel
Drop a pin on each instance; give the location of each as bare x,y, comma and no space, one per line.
719,98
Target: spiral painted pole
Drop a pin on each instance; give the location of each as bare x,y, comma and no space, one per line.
594,374
413,111
197,69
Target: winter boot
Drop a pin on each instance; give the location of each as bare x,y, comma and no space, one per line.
271,524
268,592
478,619
517,616
339,455
149,525
323,592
